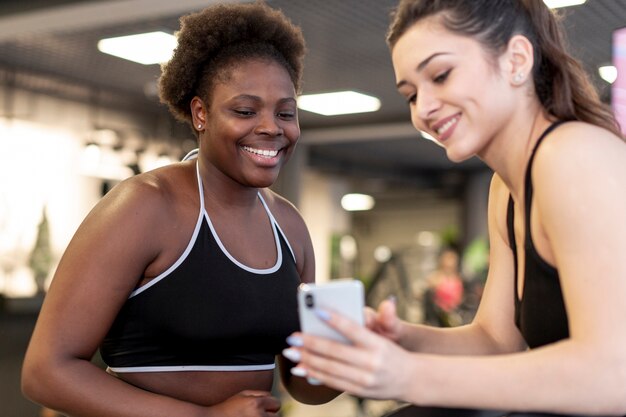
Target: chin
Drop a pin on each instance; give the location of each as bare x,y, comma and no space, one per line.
457,157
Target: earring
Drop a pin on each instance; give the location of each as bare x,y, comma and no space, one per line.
519,77
199,126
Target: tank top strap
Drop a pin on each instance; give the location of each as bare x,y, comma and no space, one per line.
200,188
528,187
193,154
276,226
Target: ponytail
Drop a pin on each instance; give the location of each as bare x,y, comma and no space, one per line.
562,85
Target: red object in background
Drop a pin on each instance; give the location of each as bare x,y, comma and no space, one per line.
449,293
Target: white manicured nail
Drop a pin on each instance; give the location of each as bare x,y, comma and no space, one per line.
292,354
298,371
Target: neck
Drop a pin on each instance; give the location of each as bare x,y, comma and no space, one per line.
220,191
509,152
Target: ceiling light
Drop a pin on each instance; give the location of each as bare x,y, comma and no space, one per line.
341,102
357,202
555,4
145,48
608,73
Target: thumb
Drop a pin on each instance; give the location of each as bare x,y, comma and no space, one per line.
387,313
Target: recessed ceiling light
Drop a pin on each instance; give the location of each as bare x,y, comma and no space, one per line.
608,73
555,4
340,102
357,202
144,48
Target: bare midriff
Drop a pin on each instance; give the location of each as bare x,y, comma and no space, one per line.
199,387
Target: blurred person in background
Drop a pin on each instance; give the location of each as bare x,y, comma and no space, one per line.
185,277
445,290
493,78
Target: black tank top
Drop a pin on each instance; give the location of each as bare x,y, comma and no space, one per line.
540,313
208,312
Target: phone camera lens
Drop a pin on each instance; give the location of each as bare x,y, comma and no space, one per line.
308,300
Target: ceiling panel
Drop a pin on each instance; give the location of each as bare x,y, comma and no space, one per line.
347,50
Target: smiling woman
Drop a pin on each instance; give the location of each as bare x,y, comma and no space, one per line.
492,78
185,277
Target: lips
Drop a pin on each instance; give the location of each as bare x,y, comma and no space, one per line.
266,153
445,127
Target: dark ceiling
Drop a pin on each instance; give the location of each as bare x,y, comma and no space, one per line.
56,40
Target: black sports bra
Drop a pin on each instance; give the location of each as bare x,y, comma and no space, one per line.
208,311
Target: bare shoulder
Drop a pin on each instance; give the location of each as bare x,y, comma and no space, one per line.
296,231
579,175
151,193
580,144
580,153
283,210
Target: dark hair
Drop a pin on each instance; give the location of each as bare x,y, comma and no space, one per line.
219,37
561,84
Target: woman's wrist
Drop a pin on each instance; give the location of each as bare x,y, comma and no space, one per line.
406,336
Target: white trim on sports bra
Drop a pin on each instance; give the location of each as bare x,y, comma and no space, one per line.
203,214
180,368
279,256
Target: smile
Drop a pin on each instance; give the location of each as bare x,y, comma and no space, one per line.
261,152
447,125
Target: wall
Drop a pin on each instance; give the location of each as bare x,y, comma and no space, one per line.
42,166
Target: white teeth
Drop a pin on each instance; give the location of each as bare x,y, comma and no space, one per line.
447,126
263,152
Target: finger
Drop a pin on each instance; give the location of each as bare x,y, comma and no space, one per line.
350,379
370,317
387,309
269,403
332,349
357,334
336,358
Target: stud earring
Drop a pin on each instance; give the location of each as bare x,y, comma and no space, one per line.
199,126
519,77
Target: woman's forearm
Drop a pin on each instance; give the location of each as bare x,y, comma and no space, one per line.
566,377
80,389
470,339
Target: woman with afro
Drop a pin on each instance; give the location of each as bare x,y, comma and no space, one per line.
185,277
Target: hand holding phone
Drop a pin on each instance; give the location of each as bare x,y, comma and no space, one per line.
343,296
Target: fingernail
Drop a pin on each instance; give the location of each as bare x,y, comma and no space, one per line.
313,381
292,354
393,299
322,314
298,371
295,341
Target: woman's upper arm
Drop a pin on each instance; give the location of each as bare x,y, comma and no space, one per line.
496,313
100,267
580,183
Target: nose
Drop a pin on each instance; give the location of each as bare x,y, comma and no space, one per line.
426,104
268,125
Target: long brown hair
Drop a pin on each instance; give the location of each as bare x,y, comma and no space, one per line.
561,84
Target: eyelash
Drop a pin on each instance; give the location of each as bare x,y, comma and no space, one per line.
248,113
440,79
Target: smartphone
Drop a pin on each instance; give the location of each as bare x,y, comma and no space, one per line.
343,296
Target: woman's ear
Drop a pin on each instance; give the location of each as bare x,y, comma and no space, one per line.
519,60
198,113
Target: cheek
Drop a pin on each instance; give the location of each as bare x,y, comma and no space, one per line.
416,120
292,133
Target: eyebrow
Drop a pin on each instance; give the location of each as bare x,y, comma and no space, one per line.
422,65
257,98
